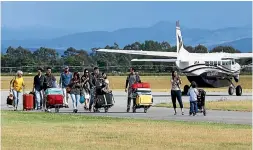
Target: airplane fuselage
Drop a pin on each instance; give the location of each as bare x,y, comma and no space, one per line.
213,74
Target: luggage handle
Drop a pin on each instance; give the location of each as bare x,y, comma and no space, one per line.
105,99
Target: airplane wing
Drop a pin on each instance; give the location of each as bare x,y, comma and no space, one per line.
140,52
156,60
237,55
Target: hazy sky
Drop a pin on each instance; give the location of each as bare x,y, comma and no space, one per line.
89,16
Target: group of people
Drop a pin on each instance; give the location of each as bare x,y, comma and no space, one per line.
77,86
72,85
176,94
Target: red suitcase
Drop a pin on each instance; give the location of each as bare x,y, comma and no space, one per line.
53,100
28,102
141,85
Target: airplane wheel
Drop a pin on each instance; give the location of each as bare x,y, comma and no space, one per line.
186,88
230,90
238,90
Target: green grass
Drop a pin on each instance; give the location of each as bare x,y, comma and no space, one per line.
242,105
33,130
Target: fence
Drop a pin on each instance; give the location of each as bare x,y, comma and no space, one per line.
113,70
110,70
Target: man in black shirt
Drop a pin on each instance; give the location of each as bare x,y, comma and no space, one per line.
92,81
38,82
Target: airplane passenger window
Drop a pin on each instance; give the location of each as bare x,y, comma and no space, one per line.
233,62
215,63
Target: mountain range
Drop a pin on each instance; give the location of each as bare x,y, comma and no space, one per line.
60,39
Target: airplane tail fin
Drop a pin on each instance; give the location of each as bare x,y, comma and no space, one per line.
180,45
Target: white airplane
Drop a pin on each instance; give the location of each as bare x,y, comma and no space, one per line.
206,69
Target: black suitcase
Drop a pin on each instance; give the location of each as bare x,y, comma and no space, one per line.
103,100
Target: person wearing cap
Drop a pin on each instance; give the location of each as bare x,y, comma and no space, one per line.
38,88
65,78
16,85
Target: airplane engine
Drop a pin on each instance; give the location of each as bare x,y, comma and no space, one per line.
236,78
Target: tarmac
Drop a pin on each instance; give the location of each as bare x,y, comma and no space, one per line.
157,113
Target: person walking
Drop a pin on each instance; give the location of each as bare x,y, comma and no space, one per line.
75,92
65,78
16,86
93,81
38,89
86,87
132,78
176,92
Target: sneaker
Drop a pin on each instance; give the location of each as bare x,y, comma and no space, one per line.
175,113
128,109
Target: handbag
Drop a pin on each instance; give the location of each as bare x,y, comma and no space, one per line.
82,99
68,89
10,99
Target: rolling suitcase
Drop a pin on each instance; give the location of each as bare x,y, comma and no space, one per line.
104,100
54,99
141,85
28,102
34,100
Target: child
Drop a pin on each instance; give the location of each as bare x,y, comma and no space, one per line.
193,92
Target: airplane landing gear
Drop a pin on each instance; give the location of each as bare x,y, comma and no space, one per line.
231,90
237,89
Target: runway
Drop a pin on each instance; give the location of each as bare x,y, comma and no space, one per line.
119,109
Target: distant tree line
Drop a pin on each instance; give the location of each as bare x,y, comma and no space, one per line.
17,57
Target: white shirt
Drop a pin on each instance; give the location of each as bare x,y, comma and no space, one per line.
193,92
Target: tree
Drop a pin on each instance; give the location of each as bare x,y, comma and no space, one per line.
226,49
200,49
